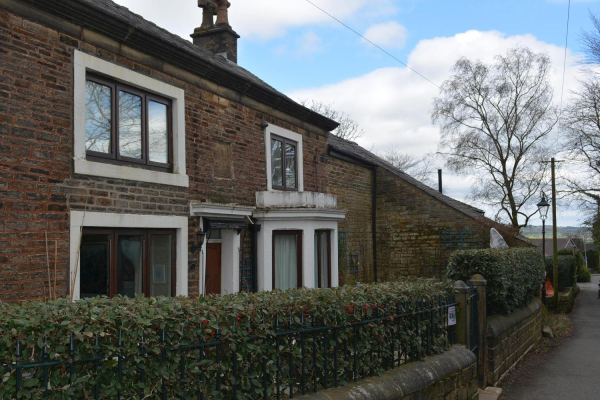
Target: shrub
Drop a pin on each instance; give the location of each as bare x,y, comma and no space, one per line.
153,328
567,271
584,274
513,275
592,259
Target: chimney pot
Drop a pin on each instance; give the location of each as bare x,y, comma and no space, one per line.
217,39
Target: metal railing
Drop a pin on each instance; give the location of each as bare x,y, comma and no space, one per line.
296,356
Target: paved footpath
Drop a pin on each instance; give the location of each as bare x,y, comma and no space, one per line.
572,371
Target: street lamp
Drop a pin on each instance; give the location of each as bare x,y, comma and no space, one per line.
543,207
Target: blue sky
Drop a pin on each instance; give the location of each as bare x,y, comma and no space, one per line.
305,54
341,55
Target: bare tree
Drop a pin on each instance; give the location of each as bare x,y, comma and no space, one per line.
591,42
494,122
581,125
348,129
419,167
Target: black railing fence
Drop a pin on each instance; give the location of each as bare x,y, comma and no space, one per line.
282,358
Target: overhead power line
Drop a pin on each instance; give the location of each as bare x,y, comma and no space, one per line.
562,90
380,48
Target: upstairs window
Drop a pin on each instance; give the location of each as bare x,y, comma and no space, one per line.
284,163
125,125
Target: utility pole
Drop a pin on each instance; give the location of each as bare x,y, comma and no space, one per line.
554,240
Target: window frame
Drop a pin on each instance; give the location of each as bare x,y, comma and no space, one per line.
319,266
114,233
271,130
284,141
299,249
114,157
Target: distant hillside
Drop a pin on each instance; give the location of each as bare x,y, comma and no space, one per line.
535,232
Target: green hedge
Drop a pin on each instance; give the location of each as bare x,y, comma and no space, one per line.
248,322
593,259
513,275
567,271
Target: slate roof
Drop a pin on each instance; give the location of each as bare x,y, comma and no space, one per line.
110,14
563,243
355,151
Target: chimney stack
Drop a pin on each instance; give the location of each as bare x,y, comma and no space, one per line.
219,38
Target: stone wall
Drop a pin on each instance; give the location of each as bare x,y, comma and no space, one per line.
509,338
408,225
353,185
451,375
225,150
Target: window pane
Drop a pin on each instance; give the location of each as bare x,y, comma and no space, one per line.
160,265
290,166
94,264
158,133
98,117
321,259
276,163
130,125
129,265
324,258
286,261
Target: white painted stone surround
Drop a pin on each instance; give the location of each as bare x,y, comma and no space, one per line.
307,221
296,137
81,219
84,62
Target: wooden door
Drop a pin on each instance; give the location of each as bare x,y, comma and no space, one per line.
213,268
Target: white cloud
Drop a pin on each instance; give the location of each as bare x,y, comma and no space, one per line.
309,44
389,35
393,104
257,19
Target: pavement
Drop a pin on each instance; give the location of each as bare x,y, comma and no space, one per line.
572,371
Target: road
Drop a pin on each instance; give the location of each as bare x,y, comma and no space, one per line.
571,372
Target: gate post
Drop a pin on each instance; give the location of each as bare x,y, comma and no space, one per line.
463,317
479,282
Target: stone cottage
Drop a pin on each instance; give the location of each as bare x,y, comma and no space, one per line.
135,162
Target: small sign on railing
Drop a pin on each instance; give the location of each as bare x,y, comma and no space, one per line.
451,316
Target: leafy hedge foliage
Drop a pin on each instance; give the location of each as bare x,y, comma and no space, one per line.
567,271
593,258
584,274
248,323
513,275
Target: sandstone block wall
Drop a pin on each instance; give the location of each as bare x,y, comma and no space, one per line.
510,337
451,375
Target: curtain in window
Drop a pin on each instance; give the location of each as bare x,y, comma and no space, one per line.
286,261
321,259
130,264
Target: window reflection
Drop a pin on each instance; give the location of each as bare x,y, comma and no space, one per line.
290,166
158,134
276,163
98,117
130,125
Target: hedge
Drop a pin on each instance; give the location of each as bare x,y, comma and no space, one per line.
247,322
513,275
593,258
567,271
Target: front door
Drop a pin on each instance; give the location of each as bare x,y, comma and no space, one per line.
213,268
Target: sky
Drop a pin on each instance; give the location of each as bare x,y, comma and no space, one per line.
307,55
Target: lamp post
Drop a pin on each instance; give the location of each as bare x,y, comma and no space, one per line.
543,207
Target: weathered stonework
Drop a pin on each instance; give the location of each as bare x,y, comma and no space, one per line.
451,375
510,337
353,186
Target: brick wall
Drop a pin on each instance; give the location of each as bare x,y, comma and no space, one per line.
37,187
353,186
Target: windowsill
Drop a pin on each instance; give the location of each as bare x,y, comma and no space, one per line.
86,167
